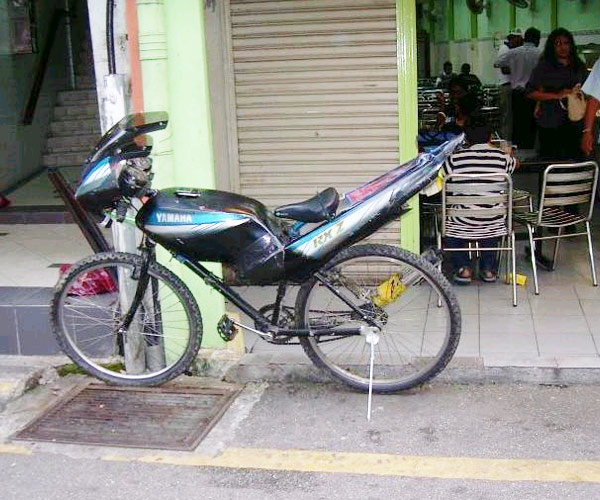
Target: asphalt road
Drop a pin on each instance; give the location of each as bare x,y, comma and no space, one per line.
313,442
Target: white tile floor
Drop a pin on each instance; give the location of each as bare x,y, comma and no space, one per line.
27,251
560,327
39,190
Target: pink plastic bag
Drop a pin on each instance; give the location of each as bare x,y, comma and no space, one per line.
94,282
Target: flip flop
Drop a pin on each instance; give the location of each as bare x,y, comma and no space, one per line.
463,276
488,276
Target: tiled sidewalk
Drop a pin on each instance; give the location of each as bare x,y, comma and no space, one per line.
558,328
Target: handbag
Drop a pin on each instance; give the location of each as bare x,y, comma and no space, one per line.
575,104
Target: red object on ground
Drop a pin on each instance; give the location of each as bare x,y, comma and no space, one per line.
93,283
4,202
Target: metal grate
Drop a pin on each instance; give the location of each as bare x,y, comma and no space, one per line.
171,418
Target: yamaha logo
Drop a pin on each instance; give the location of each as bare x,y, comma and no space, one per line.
174,218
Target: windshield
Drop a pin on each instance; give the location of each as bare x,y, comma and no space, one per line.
124,131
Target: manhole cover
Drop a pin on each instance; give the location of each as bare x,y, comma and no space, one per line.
171,418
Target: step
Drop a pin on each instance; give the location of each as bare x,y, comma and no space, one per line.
71,143
64,159
69,97
40,214
68,127
75,111
85,82
84,67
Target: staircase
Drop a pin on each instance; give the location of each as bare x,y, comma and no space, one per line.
74,130
76,125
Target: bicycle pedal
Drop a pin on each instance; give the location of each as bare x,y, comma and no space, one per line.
226,328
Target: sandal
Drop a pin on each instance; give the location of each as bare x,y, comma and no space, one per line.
488,276
463,276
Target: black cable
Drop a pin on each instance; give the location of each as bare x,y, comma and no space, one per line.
110,39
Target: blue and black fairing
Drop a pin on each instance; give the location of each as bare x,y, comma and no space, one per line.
210,225
99,187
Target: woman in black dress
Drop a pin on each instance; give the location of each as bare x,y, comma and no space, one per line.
555,76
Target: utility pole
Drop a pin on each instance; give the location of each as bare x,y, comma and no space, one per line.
107,25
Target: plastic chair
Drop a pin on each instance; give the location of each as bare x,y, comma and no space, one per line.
563,185
479,196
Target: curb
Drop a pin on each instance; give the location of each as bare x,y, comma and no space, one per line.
464,371
19,374
17,382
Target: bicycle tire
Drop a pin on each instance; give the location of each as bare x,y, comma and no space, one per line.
84,323
355,372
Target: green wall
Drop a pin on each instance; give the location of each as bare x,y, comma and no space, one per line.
573,15
453,28
462,21
578,16
21,146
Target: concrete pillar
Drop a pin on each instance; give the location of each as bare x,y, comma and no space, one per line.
406,24
152,39
175,79
109,90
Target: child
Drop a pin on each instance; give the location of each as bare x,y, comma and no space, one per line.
478,157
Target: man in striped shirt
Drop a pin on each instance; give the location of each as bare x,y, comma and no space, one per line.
477,157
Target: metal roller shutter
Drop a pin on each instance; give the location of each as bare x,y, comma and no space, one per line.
316,96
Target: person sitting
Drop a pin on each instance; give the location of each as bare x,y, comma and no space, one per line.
446,75
462,103
477,157
470,80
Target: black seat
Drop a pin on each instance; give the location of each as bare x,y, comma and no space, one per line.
320,207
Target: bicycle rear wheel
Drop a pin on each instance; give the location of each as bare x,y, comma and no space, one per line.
89,304
399,292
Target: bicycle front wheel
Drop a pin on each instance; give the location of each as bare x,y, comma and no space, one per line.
88,307
405,297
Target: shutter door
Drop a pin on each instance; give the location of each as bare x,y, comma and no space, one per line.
316,96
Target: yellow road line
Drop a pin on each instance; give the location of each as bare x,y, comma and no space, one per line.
387,465
13,449
488,469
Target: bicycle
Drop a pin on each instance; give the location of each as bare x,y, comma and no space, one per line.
359,310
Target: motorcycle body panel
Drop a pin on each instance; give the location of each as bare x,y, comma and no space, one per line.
209,225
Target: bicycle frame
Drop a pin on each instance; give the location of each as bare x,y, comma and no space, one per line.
368,208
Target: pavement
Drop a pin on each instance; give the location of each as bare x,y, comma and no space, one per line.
312,441
19,374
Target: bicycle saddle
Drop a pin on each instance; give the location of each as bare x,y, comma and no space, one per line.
320,207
